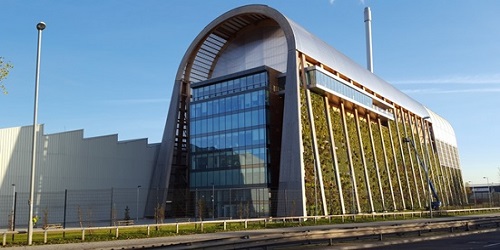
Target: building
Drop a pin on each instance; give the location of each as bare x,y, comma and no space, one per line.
265,120
78,180
268,120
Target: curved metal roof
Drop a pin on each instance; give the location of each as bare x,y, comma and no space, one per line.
443,130
326,54
201,57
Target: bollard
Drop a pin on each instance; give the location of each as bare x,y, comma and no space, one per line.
149,230
4,241
177,228
116,232
225,225
83,234
45,237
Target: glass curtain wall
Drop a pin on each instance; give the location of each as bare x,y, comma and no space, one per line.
228,147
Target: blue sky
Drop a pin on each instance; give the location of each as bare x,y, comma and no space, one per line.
108,66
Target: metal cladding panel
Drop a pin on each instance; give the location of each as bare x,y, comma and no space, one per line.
326,54
15,145
69,161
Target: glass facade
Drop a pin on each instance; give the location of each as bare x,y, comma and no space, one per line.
229,153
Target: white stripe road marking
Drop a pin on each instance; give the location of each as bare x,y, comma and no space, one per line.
492,245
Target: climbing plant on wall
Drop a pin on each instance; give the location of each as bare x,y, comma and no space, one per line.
325,155
308,158
342,161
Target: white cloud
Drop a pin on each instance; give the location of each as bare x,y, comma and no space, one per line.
138,101
459,79
450,91
332,1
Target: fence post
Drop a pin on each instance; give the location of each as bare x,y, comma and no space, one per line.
149,229
83,234
45,237
111,209
117,232
4,241
65,209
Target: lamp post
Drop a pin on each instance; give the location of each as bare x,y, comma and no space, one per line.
40,26
13,207
137,204
489,191
473,192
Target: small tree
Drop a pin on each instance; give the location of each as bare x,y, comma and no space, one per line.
45,217
4,72
80,216
127,213
498,174
201,208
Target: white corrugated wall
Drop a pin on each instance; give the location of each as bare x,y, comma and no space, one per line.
90,167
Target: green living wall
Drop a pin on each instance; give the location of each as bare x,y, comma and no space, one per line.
342,160
325,155
313,200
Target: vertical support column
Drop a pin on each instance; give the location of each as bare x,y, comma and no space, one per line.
386,161
363,159
411,159
461,192
374,149
414,127
333,152
427,148
349,158
449,181
317,162
395,160
403,159
460,178
446,180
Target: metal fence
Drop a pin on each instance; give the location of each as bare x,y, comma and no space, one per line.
70,207
105,207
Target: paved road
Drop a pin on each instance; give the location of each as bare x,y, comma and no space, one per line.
490,240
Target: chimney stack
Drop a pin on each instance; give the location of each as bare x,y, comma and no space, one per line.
368,28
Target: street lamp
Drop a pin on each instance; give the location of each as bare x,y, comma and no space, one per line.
489,191
473,192
40,26
137,204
